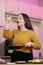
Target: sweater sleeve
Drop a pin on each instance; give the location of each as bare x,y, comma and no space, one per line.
7,34
36,42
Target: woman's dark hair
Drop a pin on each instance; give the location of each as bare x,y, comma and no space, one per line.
27,21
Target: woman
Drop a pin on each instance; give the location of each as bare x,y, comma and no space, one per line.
24,38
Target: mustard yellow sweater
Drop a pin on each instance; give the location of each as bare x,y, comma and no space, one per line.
21,38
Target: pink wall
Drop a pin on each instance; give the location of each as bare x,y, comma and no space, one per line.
34,2
2,12
11,5
22,6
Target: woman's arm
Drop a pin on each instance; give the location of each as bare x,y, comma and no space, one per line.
7,34
36,42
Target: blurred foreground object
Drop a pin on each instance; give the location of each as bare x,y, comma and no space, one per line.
1,60
36,60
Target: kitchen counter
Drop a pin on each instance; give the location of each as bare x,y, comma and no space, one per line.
34,61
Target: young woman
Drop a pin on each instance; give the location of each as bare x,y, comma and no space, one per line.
24,39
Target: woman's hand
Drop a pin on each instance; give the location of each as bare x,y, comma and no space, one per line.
1,60
29,44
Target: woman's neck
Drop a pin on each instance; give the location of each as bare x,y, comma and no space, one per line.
22,28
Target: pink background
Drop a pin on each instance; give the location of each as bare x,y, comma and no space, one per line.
30,7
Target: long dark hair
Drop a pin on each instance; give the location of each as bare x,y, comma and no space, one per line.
27,21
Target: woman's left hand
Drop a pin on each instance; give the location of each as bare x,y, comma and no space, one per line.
29,44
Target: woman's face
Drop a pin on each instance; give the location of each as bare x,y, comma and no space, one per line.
20,20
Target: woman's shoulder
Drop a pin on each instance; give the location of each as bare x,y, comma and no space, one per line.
15,30
30,31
